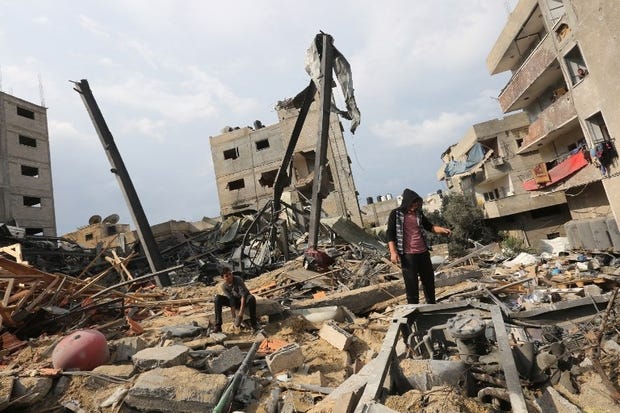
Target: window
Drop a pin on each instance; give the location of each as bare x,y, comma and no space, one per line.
111,230
25,140
32,201
268,178
30,171
88,237
34,231
598,128
262,144
234,185
553,235
231,153
519,142
576,65
25,113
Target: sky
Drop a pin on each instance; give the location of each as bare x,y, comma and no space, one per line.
167,75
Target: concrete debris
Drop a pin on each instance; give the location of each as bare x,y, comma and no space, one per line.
327,337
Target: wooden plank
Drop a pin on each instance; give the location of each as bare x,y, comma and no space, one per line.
7,292
509,366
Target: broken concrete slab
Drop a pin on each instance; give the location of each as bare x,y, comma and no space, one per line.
286,358
176,389
336,336
187,330
30,390
352,233
552,401
122,349
425,374
123,371
229,359
152,357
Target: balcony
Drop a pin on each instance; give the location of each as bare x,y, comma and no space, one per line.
557,119
520,203
494,169
537,73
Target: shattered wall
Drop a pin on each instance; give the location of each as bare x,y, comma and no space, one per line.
26,194
246,161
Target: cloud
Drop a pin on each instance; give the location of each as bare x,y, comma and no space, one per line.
64,132
151,128
93,27
446,127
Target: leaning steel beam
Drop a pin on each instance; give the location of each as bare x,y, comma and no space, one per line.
383,362
517,401
143,228
325,94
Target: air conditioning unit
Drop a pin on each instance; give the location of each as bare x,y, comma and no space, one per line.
497,161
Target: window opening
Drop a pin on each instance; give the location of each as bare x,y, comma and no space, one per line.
262,144
111,230
30,171
268,178
25,113
231,153
88,237
598,128
576,65
237,184
27,141
32,201
34,231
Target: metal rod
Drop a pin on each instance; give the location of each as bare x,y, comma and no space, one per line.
143,228
321,147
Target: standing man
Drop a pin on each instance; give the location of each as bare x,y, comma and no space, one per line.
409,247
233,293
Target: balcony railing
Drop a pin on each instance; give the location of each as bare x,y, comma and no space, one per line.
534,66
520,203
543,130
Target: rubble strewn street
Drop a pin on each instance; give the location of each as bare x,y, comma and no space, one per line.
521,333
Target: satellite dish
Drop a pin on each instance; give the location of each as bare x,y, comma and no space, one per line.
95,219
111,219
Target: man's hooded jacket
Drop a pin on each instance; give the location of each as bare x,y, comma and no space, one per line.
396,221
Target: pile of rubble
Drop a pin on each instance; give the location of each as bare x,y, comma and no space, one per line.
531,333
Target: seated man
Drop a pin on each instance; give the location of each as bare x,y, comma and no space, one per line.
234,294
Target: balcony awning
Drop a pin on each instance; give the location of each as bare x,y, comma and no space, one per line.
560,172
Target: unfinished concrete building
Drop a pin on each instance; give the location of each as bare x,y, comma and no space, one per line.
246,161
26,193
565,63
486,164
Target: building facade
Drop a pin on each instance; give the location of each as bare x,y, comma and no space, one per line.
486,165
26,192
564,57
246,162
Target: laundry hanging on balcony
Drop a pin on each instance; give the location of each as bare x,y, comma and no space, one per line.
558,173
474,156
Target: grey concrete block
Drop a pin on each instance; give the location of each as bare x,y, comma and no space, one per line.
152,357
176,389
287,357
336,336
229,359
124,348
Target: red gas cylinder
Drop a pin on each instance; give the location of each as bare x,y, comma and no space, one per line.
81,350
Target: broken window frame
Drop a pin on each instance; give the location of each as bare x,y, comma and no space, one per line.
32,201
232,153
31,171
25,113
27,141
262,144
236,185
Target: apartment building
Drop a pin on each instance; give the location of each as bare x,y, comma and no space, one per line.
26,193
564,57
246,161
486,164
